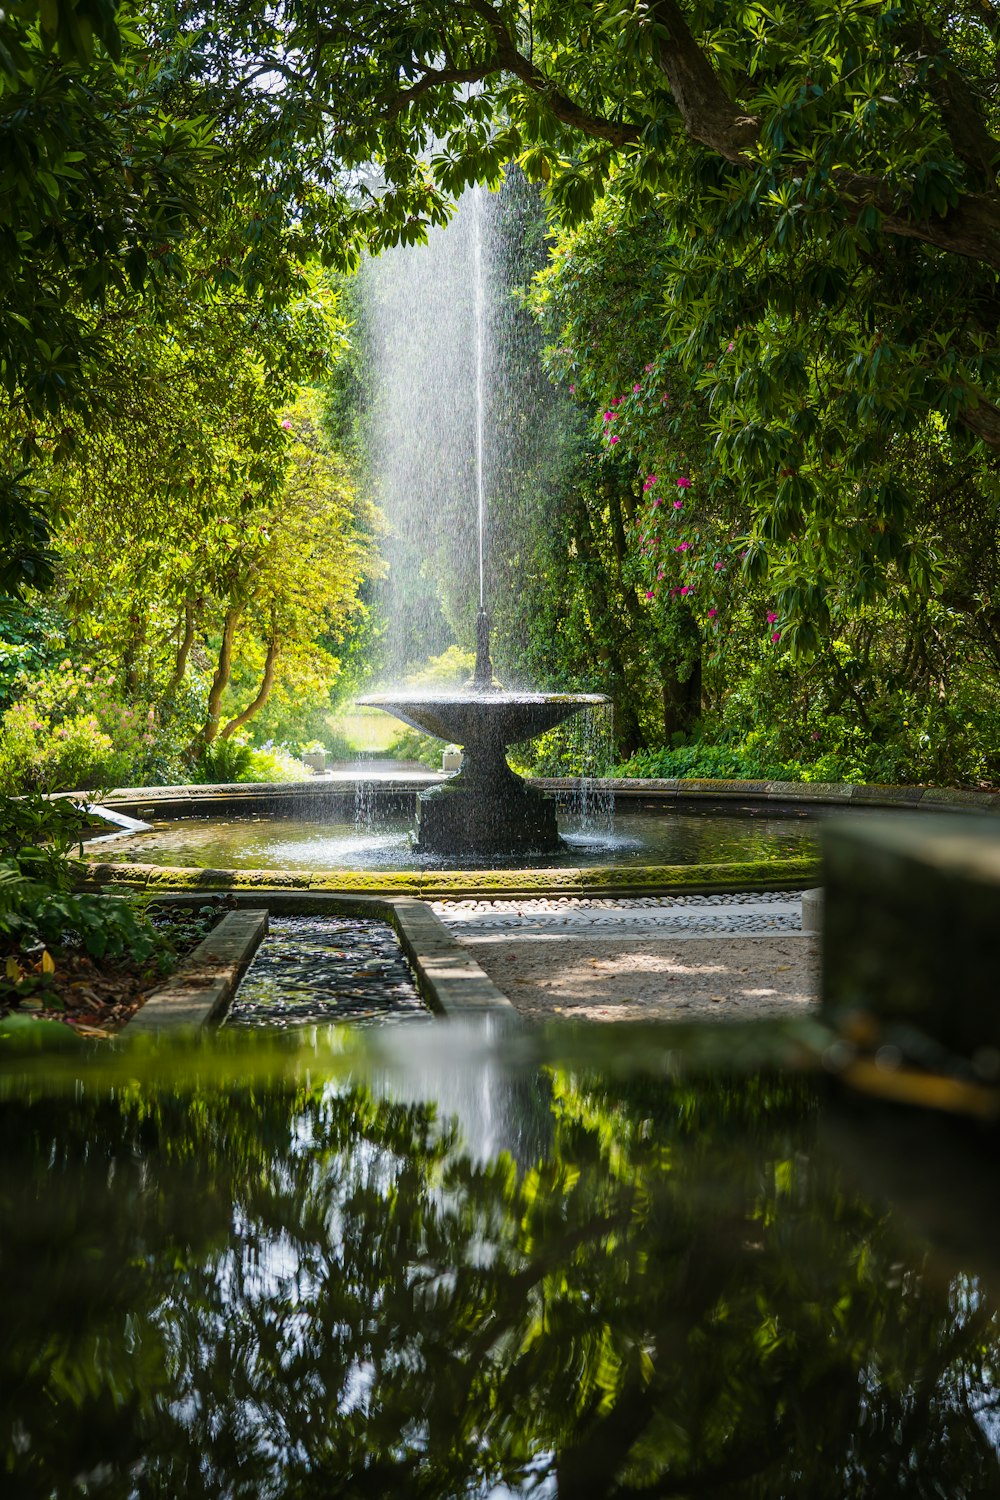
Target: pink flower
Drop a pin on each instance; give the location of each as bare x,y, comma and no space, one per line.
684,547
776,637
286,424
572,390
718,567
650,481
648,368
730,347
712,614
683,484
636,389
655,502
649,593
771,617
678,505
614,440
685,590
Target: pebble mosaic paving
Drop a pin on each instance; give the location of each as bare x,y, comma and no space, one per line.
750,914
321,970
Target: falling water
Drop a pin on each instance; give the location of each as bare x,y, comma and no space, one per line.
429,311
479,304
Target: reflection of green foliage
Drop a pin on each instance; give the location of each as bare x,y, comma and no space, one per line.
297,1291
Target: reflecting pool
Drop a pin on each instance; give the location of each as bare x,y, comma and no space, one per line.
450,1263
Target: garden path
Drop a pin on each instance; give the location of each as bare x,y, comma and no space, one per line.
659,958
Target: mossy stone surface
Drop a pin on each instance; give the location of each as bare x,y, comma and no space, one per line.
430,884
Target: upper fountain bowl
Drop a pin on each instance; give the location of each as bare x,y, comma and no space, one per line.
465,715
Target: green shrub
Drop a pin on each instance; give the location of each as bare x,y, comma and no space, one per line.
274,763
69,730
225,761
425,748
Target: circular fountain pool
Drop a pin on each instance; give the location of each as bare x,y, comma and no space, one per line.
385,842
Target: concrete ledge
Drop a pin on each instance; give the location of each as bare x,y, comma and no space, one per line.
447,975
812,910
203,987
450,981
911,929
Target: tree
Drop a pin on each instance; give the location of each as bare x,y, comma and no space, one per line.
205,522
830,177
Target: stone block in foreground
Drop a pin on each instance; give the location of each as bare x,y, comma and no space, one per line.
911,925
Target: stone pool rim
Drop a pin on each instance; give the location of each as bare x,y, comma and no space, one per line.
793,796
792,799
794,872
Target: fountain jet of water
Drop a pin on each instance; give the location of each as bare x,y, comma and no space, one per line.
479,305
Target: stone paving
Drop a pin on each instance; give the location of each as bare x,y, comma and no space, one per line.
322,970
650,958
767,912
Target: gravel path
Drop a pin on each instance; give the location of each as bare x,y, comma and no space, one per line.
654,958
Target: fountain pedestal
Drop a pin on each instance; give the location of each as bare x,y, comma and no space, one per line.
486,809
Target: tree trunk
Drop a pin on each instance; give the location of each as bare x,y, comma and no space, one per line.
266,684
183,651
220,682
681,700
130,661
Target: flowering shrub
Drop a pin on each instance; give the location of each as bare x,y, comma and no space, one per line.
70,729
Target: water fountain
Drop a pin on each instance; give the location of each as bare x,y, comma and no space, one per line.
485,808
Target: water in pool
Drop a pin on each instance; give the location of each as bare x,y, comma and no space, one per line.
446,1265
627,838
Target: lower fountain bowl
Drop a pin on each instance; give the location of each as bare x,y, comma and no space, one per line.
457,820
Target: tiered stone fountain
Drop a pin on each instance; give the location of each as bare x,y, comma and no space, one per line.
486,808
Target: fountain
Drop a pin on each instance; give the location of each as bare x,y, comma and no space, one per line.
486,808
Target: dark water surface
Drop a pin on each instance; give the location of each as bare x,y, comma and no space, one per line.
626,838
430,1262
327,970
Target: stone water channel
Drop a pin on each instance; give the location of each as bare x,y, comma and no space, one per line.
321,970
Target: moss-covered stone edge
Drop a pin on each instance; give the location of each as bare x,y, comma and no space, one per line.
744,875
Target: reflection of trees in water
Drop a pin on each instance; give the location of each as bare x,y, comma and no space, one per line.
260,1292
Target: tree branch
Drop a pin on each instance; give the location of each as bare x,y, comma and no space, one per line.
984,421
220,681
264,692
957,104
508,59
709,115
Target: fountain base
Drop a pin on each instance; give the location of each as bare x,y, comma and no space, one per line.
461,818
